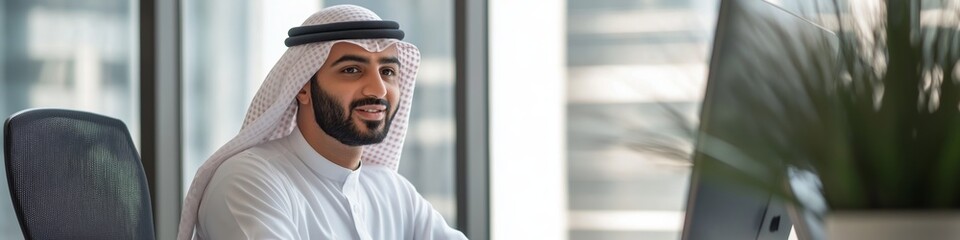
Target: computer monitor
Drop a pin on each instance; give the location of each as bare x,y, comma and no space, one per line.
761,54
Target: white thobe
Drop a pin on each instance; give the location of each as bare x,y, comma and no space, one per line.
284,189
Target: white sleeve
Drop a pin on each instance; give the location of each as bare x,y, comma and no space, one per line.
427,223
246,200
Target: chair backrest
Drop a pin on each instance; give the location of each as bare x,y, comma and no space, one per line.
75,175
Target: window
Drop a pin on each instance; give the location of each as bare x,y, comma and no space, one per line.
636,72
67,54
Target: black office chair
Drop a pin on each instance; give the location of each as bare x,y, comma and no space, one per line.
75,175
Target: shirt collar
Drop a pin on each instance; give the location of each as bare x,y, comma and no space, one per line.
319,164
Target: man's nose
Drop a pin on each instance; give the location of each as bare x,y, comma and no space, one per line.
374,85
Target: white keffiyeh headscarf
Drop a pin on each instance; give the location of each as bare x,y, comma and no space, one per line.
272,113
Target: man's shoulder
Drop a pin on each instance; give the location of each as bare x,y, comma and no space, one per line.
259,163
379,169
380,172
252,179
248,173
386,176
255,157
269,154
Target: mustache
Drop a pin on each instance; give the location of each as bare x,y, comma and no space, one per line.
370,101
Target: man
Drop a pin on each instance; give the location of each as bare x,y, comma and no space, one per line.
317,155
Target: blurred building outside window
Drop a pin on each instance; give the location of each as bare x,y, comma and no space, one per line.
81,55
636,74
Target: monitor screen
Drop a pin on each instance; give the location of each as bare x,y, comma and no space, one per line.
764,62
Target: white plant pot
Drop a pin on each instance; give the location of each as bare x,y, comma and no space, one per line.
899,225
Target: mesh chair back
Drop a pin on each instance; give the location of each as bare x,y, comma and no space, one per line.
75,175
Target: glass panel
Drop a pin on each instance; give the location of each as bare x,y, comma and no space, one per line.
229,46
221,72
636,74
67,54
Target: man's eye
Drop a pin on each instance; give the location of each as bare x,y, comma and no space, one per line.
388,72
350,70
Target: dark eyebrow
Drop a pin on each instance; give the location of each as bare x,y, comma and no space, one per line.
353,58
393,60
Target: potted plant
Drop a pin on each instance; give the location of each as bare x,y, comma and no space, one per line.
899,113
879,124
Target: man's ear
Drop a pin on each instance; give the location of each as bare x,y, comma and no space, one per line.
303,96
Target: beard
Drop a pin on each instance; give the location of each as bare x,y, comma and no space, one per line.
330,115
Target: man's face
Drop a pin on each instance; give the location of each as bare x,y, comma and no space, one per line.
358,93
